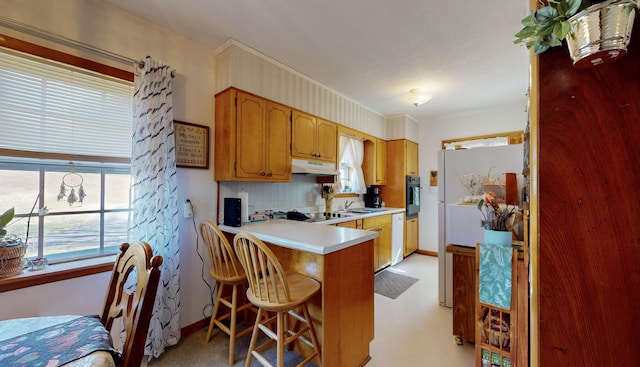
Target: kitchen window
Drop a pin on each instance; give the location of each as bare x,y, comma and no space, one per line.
65,152
351,157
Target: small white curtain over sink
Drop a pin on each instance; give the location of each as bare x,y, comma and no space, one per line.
352,155
154,195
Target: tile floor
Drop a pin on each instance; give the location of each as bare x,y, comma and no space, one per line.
413,330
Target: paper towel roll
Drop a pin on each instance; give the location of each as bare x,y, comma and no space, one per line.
244,206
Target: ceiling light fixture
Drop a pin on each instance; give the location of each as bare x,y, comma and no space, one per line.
417,98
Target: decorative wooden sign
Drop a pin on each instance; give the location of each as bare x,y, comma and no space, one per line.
192,145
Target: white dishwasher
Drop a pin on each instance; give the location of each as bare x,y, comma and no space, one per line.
397,238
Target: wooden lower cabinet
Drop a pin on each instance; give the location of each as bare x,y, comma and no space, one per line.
357,224
411,242
464,299
382,244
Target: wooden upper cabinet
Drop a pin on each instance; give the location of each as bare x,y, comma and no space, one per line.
278,144
412,158
374,165
327,143
402,160
314,138
381,162
253,136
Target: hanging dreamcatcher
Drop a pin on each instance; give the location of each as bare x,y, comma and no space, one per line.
70,182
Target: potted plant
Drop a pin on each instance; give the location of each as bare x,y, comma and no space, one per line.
5,218
12,249
498,221
596,31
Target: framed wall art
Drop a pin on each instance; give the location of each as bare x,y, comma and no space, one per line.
192,145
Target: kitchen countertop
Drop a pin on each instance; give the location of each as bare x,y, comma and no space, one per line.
309,236
356,216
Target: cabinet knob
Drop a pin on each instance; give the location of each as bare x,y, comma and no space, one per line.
262,174
270,174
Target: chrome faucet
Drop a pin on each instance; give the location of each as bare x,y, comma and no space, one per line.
347,204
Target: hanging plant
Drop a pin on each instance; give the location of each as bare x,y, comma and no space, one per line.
595,31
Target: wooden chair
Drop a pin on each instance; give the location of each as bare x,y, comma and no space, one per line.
135,307
273,290
227,271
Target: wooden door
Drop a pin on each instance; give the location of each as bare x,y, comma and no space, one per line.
411,242
304,135
278,152
326,140
412,158
250,139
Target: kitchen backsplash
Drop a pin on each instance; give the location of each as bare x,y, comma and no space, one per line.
303,194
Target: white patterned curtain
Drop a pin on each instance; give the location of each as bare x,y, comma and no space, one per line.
155,201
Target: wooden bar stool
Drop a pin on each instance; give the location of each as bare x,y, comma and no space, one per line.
227,271
273,290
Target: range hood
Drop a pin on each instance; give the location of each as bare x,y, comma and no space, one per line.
313,167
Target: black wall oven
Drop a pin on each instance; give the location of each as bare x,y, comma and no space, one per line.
413,196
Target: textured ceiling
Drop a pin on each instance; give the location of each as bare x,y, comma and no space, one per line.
372,51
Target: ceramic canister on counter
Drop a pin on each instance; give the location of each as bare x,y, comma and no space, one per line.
244,205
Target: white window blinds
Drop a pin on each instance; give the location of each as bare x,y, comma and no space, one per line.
49,107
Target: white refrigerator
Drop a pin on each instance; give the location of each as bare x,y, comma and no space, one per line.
461,224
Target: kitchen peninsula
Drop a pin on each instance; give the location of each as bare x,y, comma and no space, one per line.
341,259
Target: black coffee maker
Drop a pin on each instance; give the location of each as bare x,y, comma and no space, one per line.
372,198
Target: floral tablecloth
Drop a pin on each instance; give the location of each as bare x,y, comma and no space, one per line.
40,341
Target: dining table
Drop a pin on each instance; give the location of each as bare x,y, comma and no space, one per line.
48,341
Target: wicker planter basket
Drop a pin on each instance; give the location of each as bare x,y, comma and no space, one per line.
12,259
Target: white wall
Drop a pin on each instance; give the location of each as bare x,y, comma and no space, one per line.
108,28
461,125
247,69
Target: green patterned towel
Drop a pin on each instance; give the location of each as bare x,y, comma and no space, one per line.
495,275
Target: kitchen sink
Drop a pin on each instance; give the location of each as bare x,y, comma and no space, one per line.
365,210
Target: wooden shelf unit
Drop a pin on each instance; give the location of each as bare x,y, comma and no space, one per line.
497,328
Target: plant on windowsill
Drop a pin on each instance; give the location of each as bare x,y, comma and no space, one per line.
5,218
596,31
12,249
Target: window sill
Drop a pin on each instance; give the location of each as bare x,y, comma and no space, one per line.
57,272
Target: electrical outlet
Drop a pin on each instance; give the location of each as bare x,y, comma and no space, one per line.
187,209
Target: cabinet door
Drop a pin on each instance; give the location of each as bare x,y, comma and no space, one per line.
349,224
304,136
278,153
326,140
412,158
411,239
381,162
384,243
464,287
250,139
